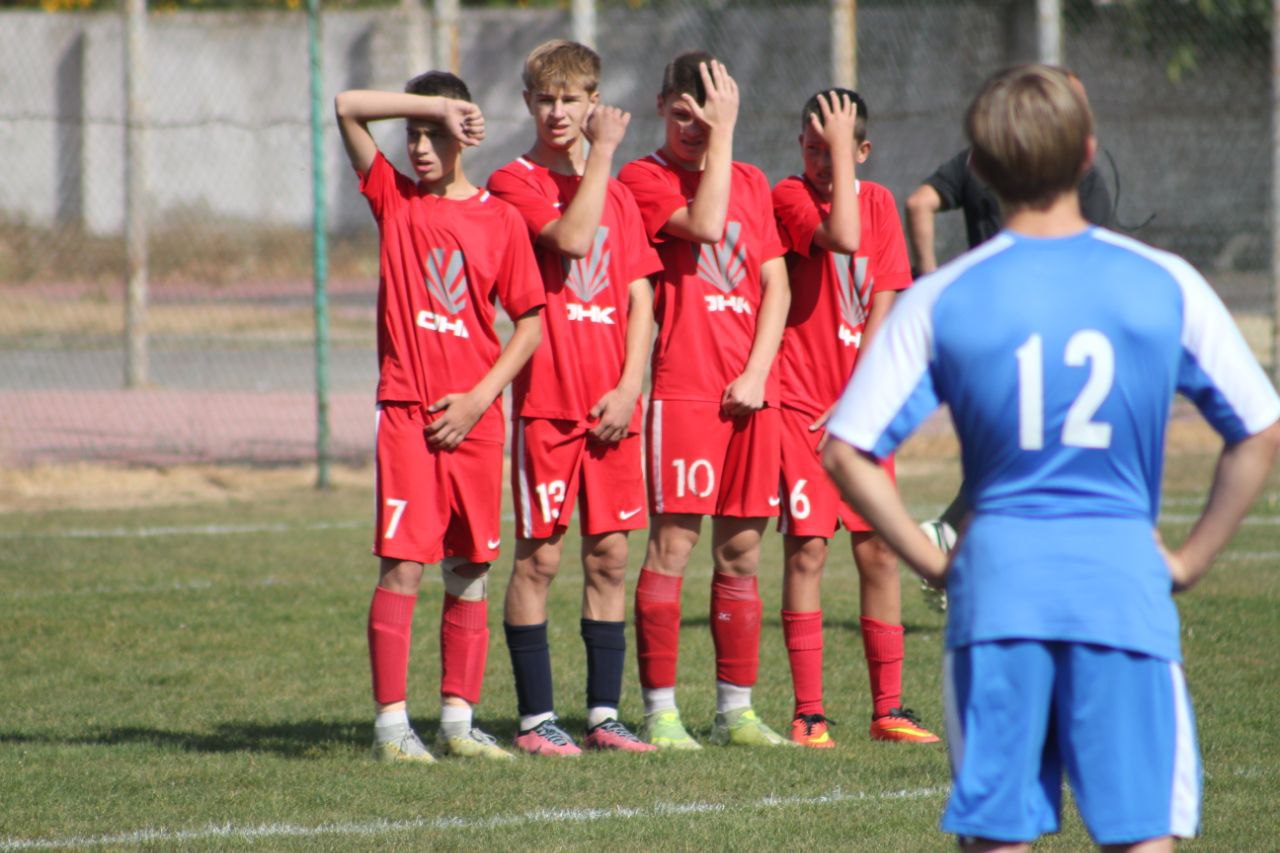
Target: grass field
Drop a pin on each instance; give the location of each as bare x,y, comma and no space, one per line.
195,676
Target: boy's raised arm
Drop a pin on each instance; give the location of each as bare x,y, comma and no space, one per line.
703,220
355,108
841,231
574,232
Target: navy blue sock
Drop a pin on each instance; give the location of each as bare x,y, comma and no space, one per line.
606,655
531,664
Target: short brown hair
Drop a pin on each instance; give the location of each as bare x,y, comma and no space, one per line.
813,107
682,77
560,62
441,84
1030,129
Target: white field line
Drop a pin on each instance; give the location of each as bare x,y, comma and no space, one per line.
444,824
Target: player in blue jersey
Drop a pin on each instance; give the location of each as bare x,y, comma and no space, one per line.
1058,347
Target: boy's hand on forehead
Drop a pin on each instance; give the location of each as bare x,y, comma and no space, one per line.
464,121
721,107
605,126
839,115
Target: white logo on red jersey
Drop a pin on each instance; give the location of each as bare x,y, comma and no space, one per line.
591,313
736,304
723,265
447,283
441,323
588,276
855,296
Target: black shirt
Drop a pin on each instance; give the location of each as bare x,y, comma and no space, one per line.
957,186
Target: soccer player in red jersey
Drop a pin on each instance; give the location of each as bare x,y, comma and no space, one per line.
713,423
847,259
446,250
577,434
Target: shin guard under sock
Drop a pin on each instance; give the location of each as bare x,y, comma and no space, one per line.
390,631
657,628
735,628
464,647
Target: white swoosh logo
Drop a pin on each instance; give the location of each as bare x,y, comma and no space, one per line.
774,501
493,544
628,513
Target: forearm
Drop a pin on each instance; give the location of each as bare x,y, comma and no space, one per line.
639,336
921,208
772,319
1241,472
868,489
841,231
574,233
524,340
366,105
710,206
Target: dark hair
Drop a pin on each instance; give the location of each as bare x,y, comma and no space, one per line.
812,107
682,77
439,83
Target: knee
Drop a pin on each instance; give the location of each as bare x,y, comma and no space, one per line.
670,550
875,558
465,580
606,562
539,567
808,561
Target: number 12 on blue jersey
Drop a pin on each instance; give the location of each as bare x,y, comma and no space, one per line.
1086,347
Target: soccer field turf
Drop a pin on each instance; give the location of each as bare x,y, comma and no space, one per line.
196,676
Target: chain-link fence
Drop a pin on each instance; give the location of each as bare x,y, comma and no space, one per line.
1180,90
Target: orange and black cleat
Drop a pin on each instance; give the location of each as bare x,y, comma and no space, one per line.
901,724
812,730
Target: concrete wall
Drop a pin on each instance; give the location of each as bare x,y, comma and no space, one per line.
229,108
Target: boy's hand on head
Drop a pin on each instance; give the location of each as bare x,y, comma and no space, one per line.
606,126
461,411
839,116
465,121
721,108
743,395
614,410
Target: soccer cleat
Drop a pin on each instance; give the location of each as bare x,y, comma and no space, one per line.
403,745
664,730
901,724
612,734
942,535
547,738
474,744
812,730
741,727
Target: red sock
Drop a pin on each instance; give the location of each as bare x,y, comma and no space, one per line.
464,647
658,628
390,631
882,644
803,633
735,627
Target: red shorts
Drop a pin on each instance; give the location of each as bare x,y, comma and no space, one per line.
432,503
704,462
813,506
555,463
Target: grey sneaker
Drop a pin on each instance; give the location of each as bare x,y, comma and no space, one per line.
401,744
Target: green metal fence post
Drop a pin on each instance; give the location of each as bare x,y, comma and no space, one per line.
320,249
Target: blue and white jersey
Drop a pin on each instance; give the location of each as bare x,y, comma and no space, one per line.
1058,359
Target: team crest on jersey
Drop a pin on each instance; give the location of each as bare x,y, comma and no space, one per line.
447,280
855,295
723,265
588,277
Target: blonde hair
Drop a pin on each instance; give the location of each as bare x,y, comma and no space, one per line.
560,62
1029,129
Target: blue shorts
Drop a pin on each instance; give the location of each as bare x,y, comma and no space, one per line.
1120,724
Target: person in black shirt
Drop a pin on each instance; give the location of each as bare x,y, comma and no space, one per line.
954,185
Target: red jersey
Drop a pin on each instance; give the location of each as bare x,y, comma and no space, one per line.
708,296
584,338
441,263
831,292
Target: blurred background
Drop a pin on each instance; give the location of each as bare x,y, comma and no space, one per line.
158,204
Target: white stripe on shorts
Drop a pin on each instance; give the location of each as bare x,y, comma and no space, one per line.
657,456
526,507
951,712
1184,807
